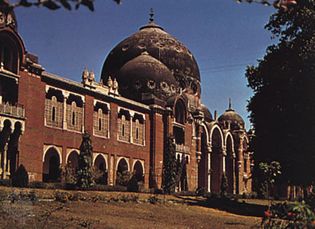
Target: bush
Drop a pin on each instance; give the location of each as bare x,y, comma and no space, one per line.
62,197
283,215
68,176
5,182
123,178
200,191
153,199
20,177
132,185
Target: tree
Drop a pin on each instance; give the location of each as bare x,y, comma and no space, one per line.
169,166
280,4
268,174
85,170
283,104
55,4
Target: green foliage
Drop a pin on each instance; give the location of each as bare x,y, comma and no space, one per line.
68,175
56,4
284,215
283,104
268,172
280,4
170,174
85,170
123,178
20,177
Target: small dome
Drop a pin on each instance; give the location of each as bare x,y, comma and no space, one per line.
160,45
231,117
145,75
8,18
206,112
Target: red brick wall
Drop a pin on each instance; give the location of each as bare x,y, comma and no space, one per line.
32,96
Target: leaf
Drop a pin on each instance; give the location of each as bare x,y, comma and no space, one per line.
25,3
50,5
88,3
65,4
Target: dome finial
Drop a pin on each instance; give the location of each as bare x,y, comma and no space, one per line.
230,104
151,19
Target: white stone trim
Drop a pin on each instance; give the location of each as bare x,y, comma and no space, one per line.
57,148
69,151
118,160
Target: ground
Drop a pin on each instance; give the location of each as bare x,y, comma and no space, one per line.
114,210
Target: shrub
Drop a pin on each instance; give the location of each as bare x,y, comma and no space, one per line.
283,215
132,185
68,175
62,197
5,182
200,191
38,184
123,178
153,199
20,177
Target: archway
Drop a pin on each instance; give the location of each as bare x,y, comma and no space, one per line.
229,165
51,166
73,160
138,171
4,140
216,160
122,173
13,147
101,168
203,168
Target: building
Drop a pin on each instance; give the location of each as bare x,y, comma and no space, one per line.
149,90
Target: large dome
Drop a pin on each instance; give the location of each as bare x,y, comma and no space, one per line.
146,77
163,47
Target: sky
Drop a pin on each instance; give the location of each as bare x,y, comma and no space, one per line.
223,36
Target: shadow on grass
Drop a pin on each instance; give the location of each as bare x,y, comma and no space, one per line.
229,205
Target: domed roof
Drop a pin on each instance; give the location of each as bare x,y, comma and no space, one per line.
7,15
160,45
232,117
206,112
146,75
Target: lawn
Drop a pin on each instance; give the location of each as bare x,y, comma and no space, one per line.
114,210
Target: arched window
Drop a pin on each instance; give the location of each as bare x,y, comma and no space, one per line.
180,112
9,57
74,112
73,116
53,109
123,122
101,120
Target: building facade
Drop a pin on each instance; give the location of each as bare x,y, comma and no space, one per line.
149,91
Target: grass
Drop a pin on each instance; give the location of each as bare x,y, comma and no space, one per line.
117,210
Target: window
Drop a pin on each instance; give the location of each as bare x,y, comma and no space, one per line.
138,129
101,120
180,112
8,55
53,111
124,125
74,113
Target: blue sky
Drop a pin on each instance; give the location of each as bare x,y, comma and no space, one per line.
224,37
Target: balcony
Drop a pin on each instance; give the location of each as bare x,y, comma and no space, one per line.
15,111
182,149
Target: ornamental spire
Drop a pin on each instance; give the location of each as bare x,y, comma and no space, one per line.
230,104
151,19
